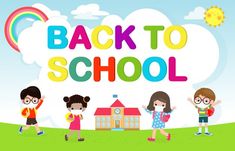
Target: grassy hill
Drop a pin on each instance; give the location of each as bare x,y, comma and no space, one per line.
182,139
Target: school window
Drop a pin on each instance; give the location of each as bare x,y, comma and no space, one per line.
103,124
98,124
136,125
131,125
126,122
108,125
107,122
103,119
131,119
136,119
126,119
108,119
126,125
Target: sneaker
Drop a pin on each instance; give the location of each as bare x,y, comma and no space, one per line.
40,133
198,133
21,130
66,138
208,134
81,139
150,139
168,137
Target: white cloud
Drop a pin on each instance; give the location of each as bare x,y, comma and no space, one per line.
30,19
88,12
50,13
198,59
196,14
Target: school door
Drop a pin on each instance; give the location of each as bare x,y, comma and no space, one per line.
117,123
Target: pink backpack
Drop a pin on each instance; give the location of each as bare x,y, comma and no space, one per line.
163,118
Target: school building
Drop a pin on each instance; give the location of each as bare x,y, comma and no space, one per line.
117,117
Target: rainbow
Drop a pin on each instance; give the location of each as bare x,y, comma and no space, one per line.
15,17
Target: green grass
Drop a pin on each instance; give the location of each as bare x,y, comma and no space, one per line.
182,139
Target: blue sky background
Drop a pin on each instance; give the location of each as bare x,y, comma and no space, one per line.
15,74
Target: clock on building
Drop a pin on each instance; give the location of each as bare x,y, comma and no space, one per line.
117,111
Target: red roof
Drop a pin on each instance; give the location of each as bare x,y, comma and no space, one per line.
103,111
131,111
107,111
117,103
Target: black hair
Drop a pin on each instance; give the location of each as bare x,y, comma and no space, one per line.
76,99
32,91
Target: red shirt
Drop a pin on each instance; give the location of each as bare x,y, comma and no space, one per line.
32,112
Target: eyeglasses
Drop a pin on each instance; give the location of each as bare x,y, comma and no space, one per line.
27,100
198,100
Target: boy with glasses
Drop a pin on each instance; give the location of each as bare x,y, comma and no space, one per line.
204,101
31,99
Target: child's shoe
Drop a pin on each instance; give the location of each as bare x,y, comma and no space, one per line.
66,138
208,134
150,139
81,139
168,137
21,130
198,133
40,133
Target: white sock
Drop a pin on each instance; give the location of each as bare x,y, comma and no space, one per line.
199,130
206,130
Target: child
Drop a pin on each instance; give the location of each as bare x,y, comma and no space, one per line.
159,106
76,104
204,100
31,98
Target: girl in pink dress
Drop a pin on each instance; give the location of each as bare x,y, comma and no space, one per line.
76,104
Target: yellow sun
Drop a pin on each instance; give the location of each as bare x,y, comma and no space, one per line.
214,16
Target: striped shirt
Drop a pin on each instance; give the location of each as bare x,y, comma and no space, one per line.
203,112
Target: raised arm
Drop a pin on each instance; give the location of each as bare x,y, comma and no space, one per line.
145,108
216,103
172,109
191,101
40,102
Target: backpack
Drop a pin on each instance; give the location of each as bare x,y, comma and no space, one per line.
210,111
163,118
67,116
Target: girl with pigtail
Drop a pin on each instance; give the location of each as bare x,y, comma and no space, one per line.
76,104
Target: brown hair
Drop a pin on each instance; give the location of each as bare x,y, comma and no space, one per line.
161,96
205,92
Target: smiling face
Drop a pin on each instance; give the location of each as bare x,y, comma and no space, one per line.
214,16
